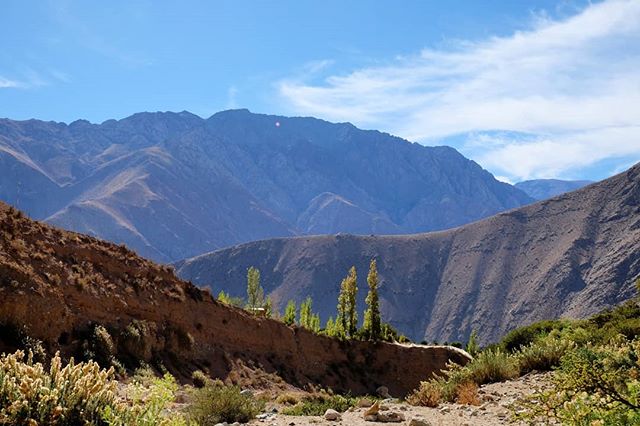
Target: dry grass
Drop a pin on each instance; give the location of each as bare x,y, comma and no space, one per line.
467,394
428,394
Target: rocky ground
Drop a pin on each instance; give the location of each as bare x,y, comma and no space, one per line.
499,402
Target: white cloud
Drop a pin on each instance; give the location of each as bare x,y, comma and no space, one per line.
5,83
568,82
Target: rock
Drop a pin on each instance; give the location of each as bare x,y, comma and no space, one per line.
365,403
383,392
390,417
371,418
419,422
373,410
332,415
384,407
445,410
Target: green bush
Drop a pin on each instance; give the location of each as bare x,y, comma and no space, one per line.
595,384
524,336
217,403
544,353
316,405
199,379
491,365
71,395
148,403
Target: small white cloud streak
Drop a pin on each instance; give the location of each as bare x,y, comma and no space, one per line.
5,83
571,80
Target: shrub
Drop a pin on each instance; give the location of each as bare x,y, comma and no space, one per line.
524,336
467,393
288,398
148,401
491,365
216,403
316,405
544,353
70,395
428,394
199,379
593,385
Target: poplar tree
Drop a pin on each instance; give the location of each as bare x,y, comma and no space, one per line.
347,313
306,316
290,313
255,293
372,322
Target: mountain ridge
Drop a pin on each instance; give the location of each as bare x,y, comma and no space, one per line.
174,185
577,252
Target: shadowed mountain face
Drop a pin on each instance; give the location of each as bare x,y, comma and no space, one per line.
173,185
572,255
541,189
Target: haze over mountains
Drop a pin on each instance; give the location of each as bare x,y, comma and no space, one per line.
173,185
572,255
541,189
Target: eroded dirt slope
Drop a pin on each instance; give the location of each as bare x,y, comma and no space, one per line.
59,285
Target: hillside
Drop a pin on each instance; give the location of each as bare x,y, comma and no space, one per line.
173,185
58,286
541,189
571,256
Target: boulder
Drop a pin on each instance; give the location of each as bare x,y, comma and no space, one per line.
383,392
332,415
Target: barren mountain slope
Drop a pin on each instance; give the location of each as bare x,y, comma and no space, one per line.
572,255
173,185
57,286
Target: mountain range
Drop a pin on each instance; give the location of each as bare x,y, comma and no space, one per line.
541,189
572,255
174,185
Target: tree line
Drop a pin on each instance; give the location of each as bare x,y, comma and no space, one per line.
345,323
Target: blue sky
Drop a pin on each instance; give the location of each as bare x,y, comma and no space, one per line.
528,89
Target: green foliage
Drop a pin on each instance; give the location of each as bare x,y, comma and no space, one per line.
217,403
524,336
347,312
199,379
290,313
308,319
316,405
330,328
372,322
491,365
255,292
230,300
149,399
69,395
595,384
473,348
545,353
268,307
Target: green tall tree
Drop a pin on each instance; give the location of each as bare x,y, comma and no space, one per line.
290,313
330,329
347,313
255,292
372,322
268,307
306,315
